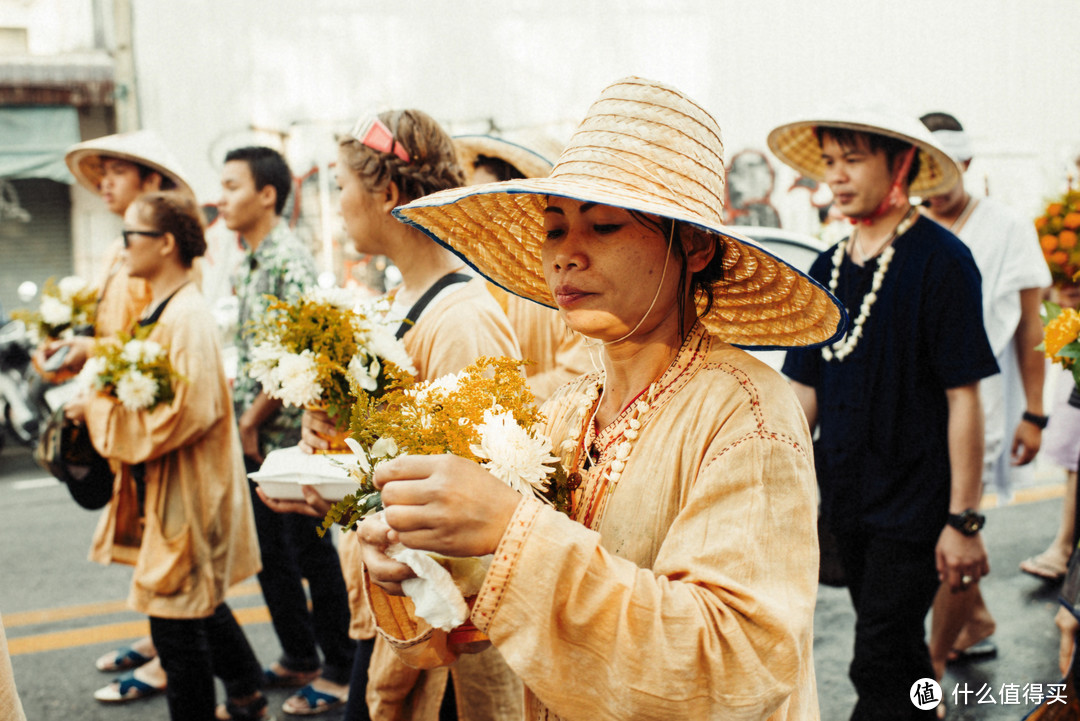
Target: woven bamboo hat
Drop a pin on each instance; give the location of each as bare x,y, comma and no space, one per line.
530,156
144,147
648,147
796,145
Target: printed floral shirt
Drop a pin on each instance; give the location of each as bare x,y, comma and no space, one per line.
282,266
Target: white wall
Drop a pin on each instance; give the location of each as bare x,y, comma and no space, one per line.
53,26
208,70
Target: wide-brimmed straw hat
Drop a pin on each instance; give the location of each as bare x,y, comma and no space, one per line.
647,147
144,147
796,145
526,155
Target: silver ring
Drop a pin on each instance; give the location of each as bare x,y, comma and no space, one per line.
966,580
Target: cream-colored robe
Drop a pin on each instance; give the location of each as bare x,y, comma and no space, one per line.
692,597
10,707
455,330
558,354
198,534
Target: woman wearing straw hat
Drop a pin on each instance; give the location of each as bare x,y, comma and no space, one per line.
120,168
557,354
899,455
683,583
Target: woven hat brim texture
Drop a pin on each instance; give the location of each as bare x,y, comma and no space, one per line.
145,147
498,229
797,146
468,148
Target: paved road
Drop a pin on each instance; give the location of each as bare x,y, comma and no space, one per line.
62,611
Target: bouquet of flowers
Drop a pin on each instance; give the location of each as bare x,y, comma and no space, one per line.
485,413
1057,229
133,370
67,309
313,350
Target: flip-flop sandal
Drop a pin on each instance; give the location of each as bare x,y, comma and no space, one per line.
126,688
308,702
122,659
288,679
255,710
1037,567
982,651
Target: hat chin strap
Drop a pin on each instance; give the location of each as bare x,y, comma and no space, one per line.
895,197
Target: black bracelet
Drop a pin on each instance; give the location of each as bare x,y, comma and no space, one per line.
1036,420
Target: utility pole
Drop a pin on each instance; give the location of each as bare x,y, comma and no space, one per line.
127,101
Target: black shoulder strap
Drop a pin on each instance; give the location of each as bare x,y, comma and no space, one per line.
427,297
153,317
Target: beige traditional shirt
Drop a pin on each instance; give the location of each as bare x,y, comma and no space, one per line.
10,707
197,535
456,329
689,590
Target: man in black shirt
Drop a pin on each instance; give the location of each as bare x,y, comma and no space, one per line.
899,455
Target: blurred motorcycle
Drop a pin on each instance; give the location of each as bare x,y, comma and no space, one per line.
22,407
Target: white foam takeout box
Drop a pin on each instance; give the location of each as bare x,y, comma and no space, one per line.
286,469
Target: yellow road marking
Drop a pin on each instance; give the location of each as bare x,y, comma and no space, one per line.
110,632
1027,495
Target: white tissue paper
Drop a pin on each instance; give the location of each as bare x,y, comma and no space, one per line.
441,584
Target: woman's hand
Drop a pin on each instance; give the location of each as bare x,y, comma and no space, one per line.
384,571
312,424
75,409
313,504
445,504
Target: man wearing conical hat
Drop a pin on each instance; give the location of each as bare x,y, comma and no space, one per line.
120,168
896,400
558,354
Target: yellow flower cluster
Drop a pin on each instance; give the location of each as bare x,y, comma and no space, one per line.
1057,228
1061,332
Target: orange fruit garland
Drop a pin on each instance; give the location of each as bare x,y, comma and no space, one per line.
1057,229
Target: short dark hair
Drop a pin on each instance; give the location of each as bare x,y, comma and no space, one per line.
268,167
893,147
940,121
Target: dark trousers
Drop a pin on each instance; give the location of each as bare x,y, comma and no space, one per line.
356,708
193,651
291,551
892,585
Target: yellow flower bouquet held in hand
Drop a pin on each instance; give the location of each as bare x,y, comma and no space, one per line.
135,371
1057,229
486,414
67,308
311,351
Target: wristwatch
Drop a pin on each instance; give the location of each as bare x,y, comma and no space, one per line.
1035,420
969,522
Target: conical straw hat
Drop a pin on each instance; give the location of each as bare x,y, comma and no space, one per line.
521,154
648,147
796,145
142,146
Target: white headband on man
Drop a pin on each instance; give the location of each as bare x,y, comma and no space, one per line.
954,142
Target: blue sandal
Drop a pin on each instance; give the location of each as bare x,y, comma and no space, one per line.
122,659
126,688
308,702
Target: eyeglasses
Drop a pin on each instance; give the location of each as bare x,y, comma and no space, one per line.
374,133
148,233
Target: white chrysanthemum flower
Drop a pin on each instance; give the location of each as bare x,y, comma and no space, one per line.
516,457
338,297
54,311
383,343
384,448
136,390
152,350
298,378
145,351
363,376
89,377
361,457
264,359
439,387
70,286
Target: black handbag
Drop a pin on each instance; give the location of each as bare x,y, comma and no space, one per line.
65,451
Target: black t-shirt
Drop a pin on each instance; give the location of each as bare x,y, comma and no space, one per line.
882,454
